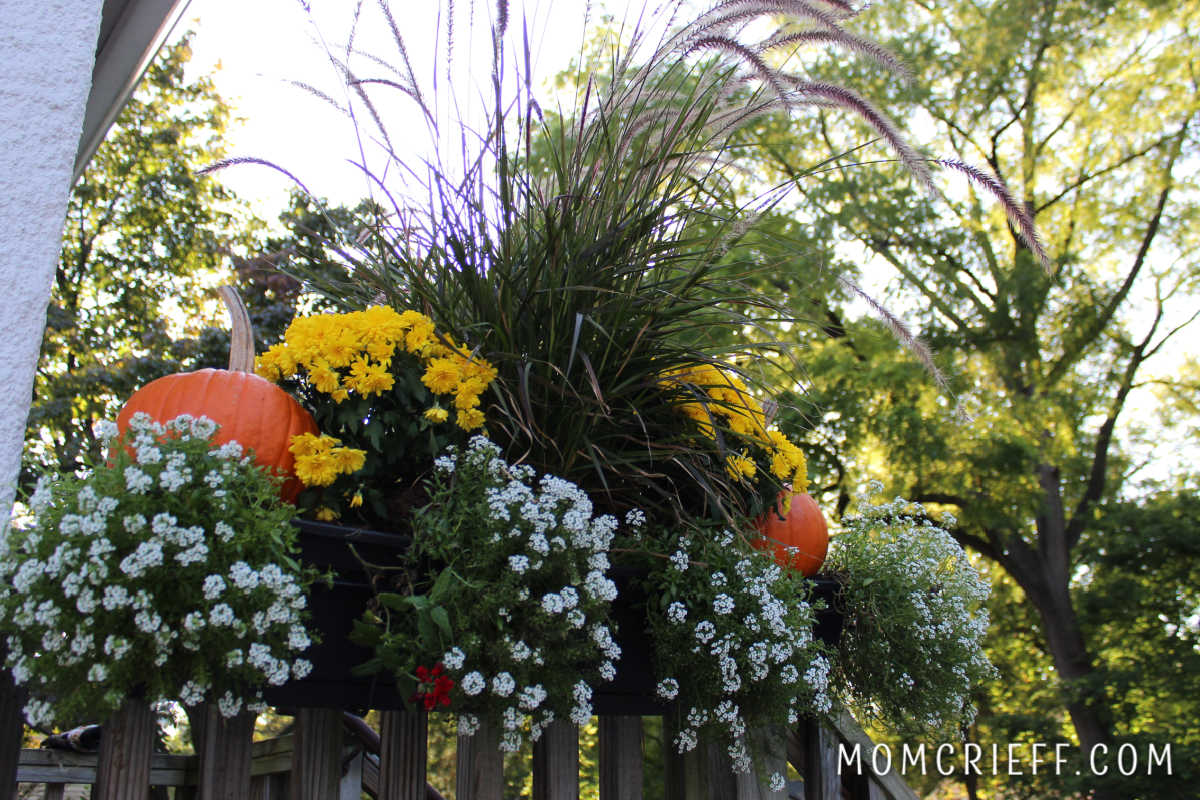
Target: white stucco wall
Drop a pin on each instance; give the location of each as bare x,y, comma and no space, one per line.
47,49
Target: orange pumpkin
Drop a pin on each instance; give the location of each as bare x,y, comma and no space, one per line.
800,539
252,411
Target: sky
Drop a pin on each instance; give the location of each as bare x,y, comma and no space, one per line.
257,50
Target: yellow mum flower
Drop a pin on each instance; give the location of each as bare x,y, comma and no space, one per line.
368,379
324,378
740,466
469,419
464,401
441,376
307,444
348,459
437,415
316,470
325,514
356,500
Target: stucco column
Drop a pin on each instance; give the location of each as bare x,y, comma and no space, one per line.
47,51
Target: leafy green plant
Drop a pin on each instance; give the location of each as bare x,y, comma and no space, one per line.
166,573
588,252
389,392
912,647
502,606
733,644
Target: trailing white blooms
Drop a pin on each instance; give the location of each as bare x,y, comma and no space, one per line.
118,582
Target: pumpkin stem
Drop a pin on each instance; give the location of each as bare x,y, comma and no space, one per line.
241,341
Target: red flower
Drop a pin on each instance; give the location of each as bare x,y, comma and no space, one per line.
434,687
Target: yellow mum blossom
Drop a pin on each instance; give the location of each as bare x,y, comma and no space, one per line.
410,318
740,466
316,470
368,379
341,348
469,419
349,459
320,459
441,376
307,444
356,500
324,377
464,401
420,337
325,514
276,363
437,415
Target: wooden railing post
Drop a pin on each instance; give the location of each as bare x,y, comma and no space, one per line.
223,747
480,770
620,758
11,700
702,773
317,757
771,743
123,770
556,763
813,750
402,755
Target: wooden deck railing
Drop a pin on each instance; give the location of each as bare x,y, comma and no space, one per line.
332,756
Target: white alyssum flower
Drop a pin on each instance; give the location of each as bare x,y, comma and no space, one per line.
503,684
453,658
473,683
680,560
531,697
212,587
552,604
668,689
228,705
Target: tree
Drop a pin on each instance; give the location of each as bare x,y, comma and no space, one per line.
146,234
143,236
1088,112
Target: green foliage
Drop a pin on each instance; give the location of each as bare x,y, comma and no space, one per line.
588,252
731,641
1087,111
142,237
912,648
166,573
1139,599
504,587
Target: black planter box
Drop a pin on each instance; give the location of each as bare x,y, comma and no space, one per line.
343,551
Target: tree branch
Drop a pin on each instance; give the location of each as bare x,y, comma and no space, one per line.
1098,475
1071,353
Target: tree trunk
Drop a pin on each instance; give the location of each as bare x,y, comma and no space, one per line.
1045,578
1087,706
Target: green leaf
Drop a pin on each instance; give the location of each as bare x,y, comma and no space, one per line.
442,620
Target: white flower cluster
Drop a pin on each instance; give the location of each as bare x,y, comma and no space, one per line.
917,606
548,611
111,588
737,633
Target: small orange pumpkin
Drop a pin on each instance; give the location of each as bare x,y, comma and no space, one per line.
252,411
800,539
